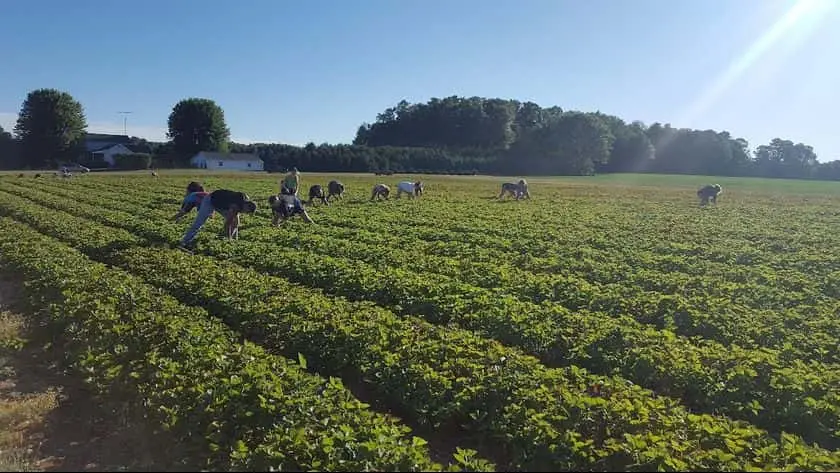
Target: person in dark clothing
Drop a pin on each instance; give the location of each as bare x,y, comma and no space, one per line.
226,202
335,189
710,192
284,207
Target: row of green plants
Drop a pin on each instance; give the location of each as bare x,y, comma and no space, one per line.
718,318
732,245
773,390
785,384
695,264
658,237
553,419
710,315
230,405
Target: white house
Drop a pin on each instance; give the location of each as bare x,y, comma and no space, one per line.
108,151
104,147
227,161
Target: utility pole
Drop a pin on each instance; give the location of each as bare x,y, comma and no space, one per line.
125,122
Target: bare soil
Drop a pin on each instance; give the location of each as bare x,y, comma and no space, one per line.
50,422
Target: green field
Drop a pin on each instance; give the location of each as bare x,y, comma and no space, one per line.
609,322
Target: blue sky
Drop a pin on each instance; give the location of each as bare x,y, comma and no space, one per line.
299,71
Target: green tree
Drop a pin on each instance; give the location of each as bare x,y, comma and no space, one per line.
583,142
196,125
8,150
51,128
632,150
783,158
513,137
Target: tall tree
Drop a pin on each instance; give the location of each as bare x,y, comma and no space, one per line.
197,124
51,128
8,150
632,150
783,158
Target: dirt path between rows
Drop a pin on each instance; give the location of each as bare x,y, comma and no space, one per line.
48,420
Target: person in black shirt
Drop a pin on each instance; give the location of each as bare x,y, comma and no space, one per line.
226,202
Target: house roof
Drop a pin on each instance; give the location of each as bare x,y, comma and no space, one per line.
93,147
230,156
107,138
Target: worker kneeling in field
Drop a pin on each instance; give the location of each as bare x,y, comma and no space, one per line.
710,192
195,194
284,206
380,191
413,189
226,202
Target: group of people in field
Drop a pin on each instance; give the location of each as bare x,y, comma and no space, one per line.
411,188
230,204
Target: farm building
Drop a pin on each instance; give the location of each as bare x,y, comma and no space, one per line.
105,147
108,152
227,161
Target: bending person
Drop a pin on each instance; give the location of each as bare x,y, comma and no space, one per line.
709,192
195,194
380,191
413,189
284,206
226,202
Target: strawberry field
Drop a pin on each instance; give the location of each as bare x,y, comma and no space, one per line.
598,326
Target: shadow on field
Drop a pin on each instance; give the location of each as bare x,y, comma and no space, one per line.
50,421
443,440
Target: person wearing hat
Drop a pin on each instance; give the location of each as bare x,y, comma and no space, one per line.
290,183
228,203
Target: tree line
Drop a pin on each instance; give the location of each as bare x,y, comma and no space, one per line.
453,135
526,139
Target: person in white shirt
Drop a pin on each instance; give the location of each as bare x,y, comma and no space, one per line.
413,189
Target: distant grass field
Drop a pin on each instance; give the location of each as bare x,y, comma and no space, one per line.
608,322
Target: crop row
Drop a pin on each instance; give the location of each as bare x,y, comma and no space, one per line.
547,414
811,334
237,405
551,223
798,395
774,390
640,272
776,268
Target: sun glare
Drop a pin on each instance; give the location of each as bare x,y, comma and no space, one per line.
794,26
791,30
